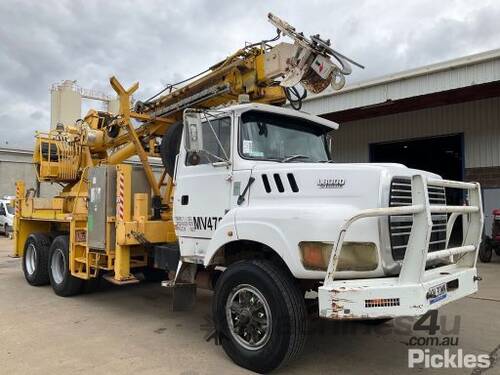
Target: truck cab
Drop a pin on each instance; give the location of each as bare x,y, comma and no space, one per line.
248,160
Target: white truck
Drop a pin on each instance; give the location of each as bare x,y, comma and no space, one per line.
251,204
371,239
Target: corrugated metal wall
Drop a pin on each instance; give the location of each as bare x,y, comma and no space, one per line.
478,120
421,81
17,165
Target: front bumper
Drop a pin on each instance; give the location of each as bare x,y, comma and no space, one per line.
387,298
415,290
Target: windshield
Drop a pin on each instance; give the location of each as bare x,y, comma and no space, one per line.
10,209
267,136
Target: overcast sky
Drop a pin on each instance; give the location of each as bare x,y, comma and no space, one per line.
159,42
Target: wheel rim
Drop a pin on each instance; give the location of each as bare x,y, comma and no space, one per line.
30,259
249,317
58,266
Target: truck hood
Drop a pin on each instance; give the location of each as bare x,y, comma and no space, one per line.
323,183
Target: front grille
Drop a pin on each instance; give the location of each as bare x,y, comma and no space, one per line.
400,226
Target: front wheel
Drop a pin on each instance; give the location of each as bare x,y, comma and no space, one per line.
63,283
260,315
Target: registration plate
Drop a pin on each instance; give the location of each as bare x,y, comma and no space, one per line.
437,293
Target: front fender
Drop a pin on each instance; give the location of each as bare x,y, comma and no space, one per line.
252,225
283,227
248,229
225,233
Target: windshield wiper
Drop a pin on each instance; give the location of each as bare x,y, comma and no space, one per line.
326,161
293,157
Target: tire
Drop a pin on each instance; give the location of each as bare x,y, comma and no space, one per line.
169,147
497,250
63,283
282,307
485,251
53,235
36,259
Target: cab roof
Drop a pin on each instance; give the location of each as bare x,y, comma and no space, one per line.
240,108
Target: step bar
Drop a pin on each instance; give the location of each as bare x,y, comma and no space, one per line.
416,290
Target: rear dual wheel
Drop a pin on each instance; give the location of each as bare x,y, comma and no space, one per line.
63,283
46,260
35,259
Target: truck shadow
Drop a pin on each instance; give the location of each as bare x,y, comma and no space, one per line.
349,346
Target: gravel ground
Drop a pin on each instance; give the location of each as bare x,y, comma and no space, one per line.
131,330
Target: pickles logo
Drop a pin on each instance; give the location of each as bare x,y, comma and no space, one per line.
447,359
331,183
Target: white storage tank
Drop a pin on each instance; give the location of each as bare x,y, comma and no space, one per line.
66,103
114,106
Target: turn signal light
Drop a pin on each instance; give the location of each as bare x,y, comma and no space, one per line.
315,255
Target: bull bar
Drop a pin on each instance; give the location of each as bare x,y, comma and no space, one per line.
416,289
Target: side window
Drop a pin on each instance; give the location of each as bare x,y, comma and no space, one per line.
49,151
2,209
45,148
216,133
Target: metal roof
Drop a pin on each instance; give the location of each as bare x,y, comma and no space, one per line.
453,74
8,150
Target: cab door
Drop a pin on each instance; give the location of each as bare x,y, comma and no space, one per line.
203,187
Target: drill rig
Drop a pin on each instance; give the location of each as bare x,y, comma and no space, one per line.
248,204
261,72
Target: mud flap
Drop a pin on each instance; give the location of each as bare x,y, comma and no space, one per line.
183,287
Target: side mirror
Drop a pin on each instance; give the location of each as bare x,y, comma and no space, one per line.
193,131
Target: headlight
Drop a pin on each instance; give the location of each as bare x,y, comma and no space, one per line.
354,256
